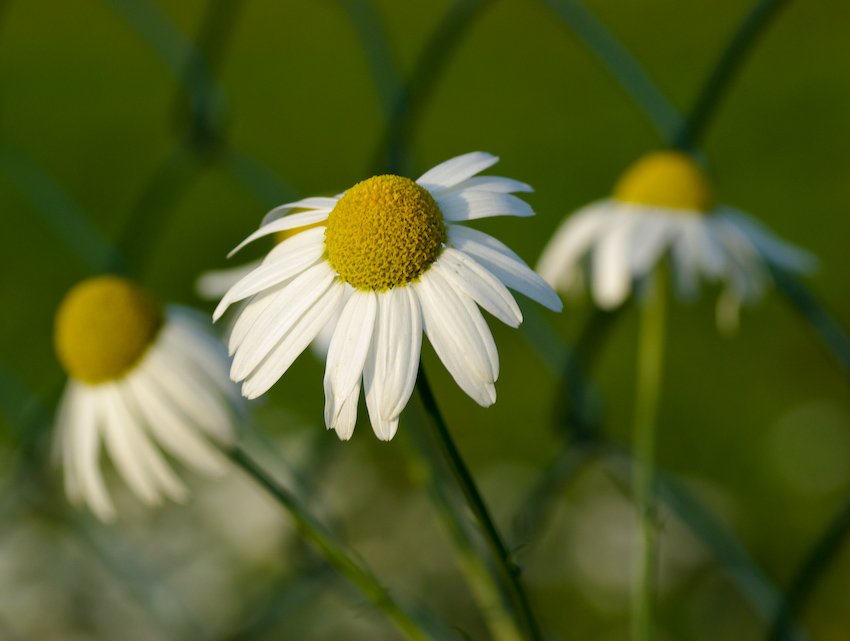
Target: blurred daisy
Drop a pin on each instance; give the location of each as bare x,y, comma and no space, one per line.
663,204
394,245
138,376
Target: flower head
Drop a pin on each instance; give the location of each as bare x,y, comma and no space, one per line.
664,205
138,374
393,259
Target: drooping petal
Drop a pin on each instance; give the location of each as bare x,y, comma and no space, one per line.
347,415
250,313
85,450
504,264
294,341
347,351
612,277
453,171
285,266
474,204
279,317
651,238
480,285
456,337
389,374
292,221
559,262
314,202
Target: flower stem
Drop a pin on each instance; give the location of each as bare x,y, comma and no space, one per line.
649,366
507,568
336,555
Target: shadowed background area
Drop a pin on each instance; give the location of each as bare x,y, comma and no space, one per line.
170,128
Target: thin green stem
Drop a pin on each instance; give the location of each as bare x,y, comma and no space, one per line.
727,66
507,568
649,367
335,554
428,470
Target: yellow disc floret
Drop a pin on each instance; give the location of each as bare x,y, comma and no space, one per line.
666,179
384,232
103,328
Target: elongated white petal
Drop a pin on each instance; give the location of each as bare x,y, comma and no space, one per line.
480,285
63,443
150,458
173,429
279,317
347,415
314,202
496,184
203,407
300,334
250,313
213,284
774,250
453,171
473,204
559,262
292,221
686,267
118,427
390,370
271,273
504,264
347,351
612,277
456,338
651,238
85,452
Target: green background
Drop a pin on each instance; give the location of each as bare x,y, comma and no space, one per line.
758,424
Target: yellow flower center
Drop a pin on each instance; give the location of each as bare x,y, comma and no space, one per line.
666,179
384,232
103,327
280,236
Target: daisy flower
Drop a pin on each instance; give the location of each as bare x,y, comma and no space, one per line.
138,376
394,244
663,205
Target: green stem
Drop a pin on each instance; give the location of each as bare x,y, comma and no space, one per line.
427,469
507,568
649,367
335,554
728,65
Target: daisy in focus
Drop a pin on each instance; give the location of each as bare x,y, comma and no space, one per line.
664,205
392,257
138,377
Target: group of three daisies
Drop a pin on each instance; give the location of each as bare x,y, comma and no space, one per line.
367,272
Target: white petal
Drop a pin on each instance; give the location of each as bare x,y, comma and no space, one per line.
118,432
172,428
347,416
85,450
480,285
285,266
200,404
774,249
685,259
322,342
497,184
250,313
347,351
455,170
295,341
279,317
389,375
612,278
474,204
213,284
456,337
504,264
63,444
293,221
314,202
651,238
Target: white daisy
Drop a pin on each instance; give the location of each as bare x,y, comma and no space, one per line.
138,376
663,205
395,245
